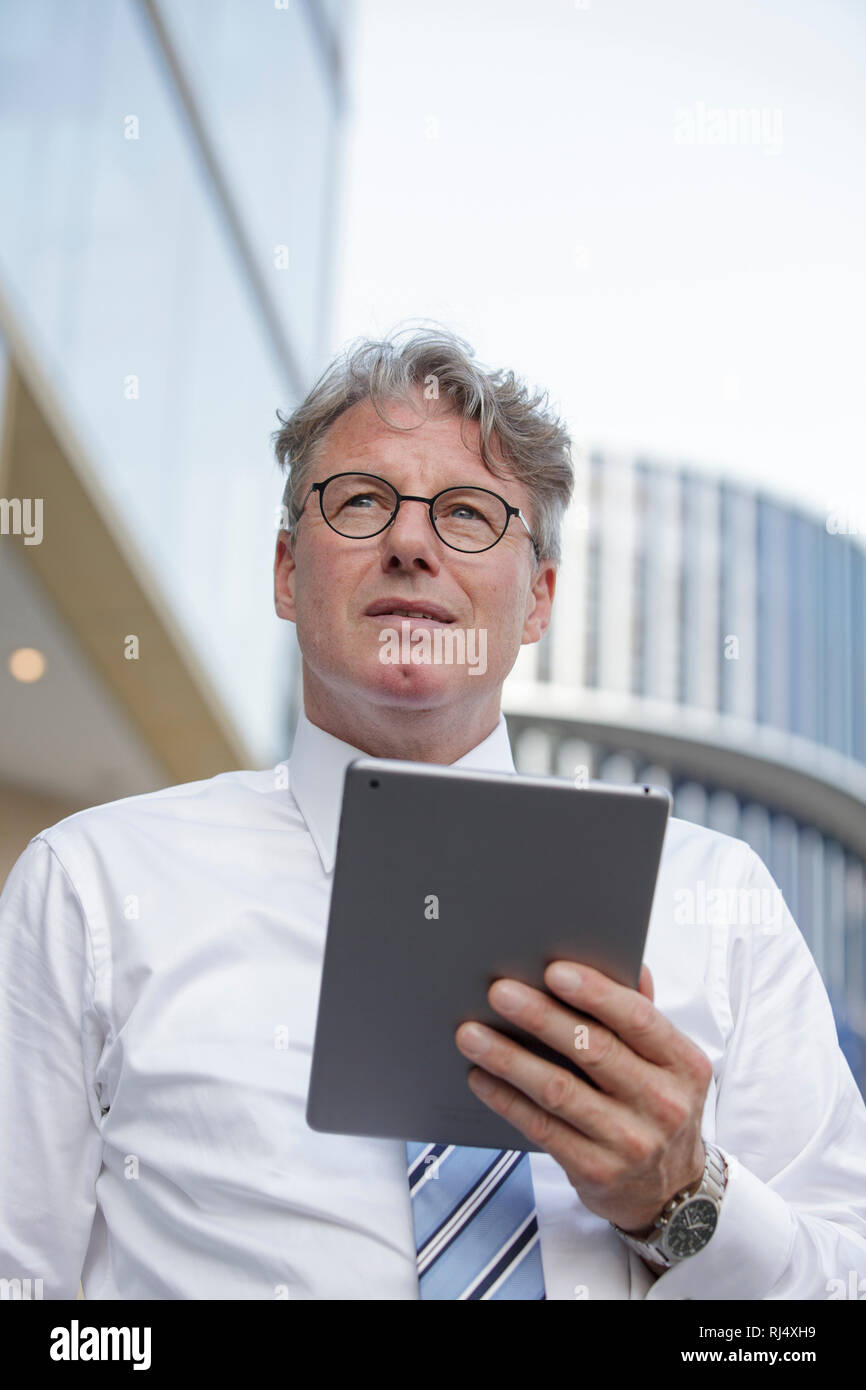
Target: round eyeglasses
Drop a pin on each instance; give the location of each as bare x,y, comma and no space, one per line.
360,505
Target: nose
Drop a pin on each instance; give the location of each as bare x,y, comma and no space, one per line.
410,539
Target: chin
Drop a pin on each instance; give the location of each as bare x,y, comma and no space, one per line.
419,686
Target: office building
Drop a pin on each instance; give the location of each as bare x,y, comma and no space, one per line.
711,639
171,175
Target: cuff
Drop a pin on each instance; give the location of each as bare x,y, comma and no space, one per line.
748,1251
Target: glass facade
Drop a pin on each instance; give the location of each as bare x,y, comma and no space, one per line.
165,244
269,100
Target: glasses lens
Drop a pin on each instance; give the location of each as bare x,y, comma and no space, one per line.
470,518
357,504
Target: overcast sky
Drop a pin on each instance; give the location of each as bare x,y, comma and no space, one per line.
654,208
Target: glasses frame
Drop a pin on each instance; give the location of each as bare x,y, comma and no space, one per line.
430,502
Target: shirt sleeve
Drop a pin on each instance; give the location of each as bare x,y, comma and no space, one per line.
791,1123
50,1144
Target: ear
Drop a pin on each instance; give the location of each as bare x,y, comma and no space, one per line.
284,578
539,603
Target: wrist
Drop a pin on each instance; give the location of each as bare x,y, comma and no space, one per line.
687,1222
691,1186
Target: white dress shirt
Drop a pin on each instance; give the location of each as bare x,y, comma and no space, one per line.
160,959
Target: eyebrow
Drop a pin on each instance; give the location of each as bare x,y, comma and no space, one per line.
464,482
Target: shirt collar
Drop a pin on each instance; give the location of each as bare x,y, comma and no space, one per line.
318,763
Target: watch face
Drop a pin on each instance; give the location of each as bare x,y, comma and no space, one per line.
690,1228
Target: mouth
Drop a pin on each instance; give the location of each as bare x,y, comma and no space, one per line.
420,615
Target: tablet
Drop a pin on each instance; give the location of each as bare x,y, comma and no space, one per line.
446,879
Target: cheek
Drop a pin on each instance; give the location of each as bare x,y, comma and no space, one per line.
324,606
309,605
507,609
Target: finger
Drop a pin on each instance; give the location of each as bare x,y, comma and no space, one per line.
550,1087
645,984
584,1041
632,1016
572,1148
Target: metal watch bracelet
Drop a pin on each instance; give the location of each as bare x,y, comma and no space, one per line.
712,1186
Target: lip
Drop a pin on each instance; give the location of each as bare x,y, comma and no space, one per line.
395,620
397,609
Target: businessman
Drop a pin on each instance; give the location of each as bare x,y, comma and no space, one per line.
161,956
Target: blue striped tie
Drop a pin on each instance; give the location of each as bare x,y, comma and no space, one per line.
476,1230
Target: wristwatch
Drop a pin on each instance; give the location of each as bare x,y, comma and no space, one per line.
688,1220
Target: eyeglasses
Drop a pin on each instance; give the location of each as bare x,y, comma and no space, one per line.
361,505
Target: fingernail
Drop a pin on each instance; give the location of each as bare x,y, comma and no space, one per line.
473,1040
565,974
481,1082
509,996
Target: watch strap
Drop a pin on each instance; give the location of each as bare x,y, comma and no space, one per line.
712,1185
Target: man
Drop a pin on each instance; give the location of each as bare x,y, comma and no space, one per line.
162,958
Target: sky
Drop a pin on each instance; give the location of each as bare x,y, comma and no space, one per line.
653,209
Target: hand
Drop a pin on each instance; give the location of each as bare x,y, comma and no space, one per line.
628,1147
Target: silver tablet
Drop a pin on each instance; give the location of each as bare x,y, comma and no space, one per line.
446,879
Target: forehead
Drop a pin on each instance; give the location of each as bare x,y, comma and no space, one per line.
431,439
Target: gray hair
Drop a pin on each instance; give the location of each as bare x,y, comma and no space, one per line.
534,443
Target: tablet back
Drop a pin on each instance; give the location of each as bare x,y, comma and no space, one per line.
446,879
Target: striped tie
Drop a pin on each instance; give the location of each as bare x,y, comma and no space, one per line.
476,1230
